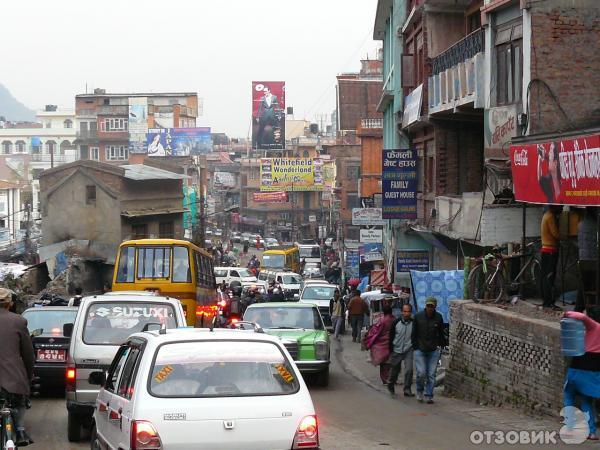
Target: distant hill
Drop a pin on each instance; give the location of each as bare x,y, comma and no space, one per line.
12,109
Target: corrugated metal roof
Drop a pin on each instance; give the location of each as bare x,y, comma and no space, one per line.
141,172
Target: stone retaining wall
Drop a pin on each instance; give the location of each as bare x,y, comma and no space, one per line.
503,358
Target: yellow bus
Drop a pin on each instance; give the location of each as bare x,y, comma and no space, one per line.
173,268
281,258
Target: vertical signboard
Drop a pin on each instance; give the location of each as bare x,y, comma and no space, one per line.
399,184
352,263
138,124
268,115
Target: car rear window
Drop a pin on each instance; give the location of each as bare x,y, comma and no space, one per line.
49,320
221,369
285,317
318,292
112,323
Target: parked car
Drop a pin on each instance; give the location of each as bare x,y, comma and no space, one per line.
301,328
51,347
236,237
319,294
229,274
188,389
271,242
103,323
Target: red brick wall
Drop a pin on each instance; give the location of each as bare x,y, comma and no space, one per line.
565,55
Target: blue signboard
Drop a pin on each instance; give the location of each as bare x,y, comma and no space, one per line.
370,252
407,260
399,184
352,263
179,141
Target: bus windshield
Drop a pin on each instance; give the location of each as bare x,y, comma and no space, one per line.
310,252
274,261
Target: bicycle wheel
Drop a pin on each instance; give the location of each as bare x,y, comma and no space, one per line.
532,280
476,283
485,286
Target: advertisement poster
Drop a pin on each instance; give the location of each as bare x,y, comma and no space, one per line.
163,120
407,260
270,197
399,184
224,180
562,172
291,174
268,115
370,252
138,124
178,141
352,263
367,217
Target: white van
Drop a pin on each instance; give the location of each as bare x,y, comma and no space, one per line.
102,324
229,274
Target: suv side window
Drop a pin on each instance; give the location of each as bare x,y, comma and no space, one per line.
127,379
234,273
116,368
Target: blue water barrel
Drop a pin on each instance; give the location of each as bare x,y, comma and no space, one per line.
572,337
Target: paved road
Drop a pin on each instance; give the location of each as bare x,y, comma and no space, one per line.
352,415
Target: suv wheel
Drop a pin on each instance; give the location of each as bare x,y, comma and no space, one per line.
323,378
74,427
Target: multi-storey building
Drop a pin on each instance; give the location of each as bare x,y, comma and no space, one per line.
102,121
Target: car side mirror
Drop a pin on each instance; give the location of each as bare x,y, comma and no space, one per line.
68,330
37,332
97,378
152,326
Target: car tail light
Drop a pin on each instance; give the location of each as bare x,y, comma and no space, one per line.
144,436
307,434
70,376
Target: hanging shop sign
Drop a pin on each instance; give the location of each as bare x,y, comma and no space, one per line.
399,184
370,236
409,259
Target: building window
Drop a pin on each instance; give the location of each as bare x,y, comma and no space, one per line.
166,230
117,153
352,172
352,200
50,147
48,124
68,123
509,63
95,153
90,195
254,173
114,124
139,231
21,147
6,147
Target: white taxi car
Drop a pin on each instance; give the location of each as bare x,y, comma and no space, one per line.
186,389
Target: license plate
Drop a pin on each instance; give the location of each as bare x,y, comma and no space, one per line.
51,355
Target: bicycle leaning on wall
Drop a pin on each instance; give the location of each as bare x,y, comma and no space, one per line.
491,279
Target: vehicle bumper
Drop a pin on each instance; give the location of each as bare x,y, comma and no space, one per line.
80,409
50,375
312,366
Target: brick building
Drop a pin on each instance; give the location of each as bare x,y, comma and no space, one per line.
102,121
106,204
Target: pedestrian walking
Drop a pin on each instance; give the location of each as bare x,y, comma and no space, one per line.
378,342
583,374
401,351
357,308
337,312
427,340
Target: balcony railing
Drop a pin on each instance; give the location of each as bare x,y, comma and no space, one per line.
87,134
371,123
464,49
113,110
58,159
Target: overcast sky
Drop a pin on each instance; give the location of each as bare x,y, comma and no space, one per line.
51,49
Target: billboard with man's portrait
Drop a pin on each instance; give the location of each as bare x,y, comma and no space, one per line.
268,115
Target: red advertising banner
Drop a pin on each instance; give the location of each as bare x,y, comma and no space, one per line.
561,172
270,197
268,115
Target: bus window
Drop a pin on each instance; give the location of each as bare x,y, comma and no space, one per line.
198,269
126,271
181,265
154,262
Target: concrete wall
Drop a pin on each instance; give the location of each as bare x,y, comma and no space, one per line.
445,30
502,223
66,215
505,359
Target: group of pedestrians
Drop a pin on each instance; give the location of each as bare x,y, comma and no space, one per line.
404,340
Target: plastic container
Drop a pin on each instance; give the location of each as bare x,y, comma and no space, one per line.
572,337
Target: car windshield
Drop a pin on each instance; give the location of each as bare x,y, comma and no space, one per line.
221,369
285,317
275,261
318,292
312,266
244,273
51,321
112,323
291,279
310,252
